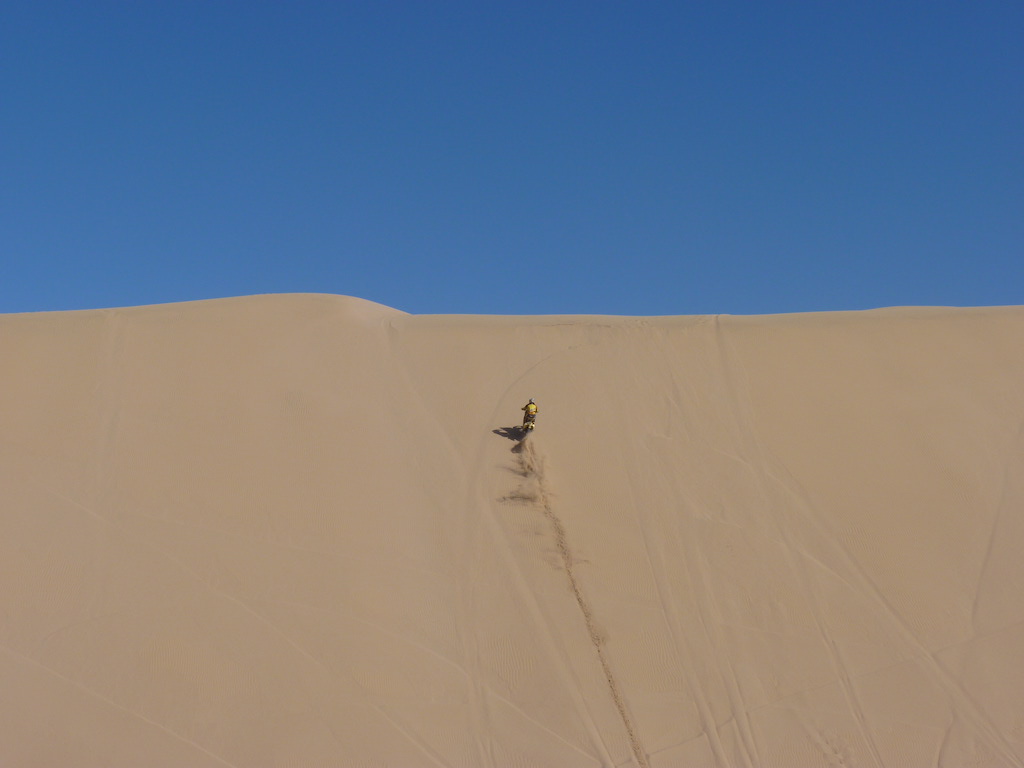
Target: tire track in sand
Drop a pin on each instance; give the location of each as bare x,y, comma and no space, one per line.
532,468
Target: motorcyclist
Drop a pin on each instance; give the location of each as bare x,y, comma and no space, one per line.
530,413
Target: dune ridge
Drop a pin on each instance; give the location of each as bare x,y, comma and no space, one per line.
302,529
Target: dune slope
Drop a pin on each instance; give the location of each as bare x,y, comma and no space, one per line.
301,530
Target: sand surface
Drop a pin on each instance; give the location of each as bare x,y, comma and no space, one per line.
296,530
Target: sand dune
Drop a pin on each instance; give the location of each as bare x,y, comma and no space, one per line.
297,530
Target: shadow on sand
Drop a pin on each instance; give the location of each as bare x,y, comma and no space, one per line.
510,433
517,434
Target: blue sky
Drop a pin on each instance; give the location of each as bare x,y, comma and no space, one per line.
634,158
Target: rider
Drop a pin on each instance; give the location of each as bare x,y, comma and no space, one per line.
530,414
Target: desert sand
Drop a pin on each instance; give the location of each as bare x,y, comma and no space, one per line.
301,530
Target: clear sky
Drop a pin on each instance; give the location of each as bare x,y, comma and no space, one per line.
634,157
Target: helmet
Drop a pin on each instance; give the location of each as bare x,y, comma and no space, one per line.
531,399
